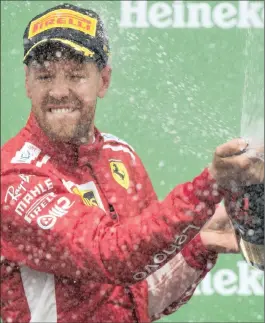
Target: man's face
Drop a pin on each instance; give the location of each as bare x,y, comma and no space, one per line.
64,93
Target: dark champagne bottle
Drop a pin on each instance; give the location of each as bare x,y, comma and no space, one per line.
246,209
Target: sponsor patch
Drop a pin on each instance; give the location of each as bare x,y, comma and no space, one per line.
60,209
88,192
88,196
36,208
63,18
26,201
13,193
26,154
119,173
162,256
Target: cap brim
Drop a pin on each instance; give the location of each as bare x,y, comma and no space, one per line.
66,43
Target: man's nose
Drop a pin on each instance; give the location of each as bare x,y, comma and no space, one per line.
59,89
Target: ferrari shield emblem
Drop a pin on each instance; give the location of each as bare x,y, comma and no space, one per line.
119,173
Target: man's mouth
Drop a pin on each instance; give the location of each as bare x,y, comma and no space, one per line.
61,110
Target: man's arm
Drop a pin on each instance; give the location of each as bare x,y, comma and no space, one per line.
69,239
218,234
174,284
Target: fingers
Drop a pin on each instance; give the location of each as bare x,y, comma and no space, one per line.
230,165
220,221
240,162
220,242
233,147
235,164
256,153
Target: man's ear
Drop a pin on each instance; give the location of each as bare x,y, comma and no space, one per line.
27,87
104,83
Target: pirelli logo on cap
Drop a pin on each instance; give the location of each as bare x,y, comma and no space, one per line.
63,18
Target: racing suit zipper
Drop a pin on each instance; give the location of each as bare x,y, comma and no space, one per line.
112,211
114,215
134,314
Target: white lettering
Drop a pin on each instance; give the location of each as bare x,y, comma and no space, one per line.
191,226
223,15
250,280
151,268
140,276
60,209
27,218
28,198
31,195
25,178
14,193
20,208
57,211
35,191
137,8
30,216
49,184
45,202
66,202
46,221
38,206
38,209
205,287
170,252
246,282
197,11
179,14
249,14
197,14
159,258
43,189
224,282
182,238
159,15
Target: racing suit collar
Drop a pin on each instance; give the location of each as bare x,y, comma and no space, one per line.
65,153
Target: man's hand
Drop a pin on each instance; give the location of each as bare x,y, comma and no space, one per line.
218,233
234,165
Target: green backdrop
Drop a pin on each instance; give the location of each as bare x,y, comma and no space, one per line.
176,93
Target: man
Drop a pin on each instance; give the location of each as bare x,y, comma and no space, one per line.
84,237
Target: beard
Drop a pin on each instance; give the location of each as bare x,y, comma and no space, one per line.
78,133
76,127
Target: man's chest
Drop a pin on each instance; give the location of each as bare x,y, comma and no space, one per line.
110,183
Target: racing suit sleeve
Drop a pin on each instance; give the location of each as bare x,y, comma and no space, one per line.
67,238
173,285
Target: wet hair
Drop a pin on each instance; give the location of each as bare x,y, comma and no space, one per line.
56,51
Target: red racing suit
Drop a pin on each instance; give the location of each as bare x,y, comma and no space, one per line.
85,239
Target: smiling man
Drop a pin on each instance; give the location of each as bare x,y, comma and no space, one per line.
58,88
84,237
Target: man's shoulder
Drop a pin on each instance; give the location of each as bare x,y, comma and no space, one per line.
110,139
11,145
17,149
116,144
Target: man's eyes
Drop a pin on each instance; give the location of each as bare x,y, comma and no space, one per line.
44,77
77,76
71,76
